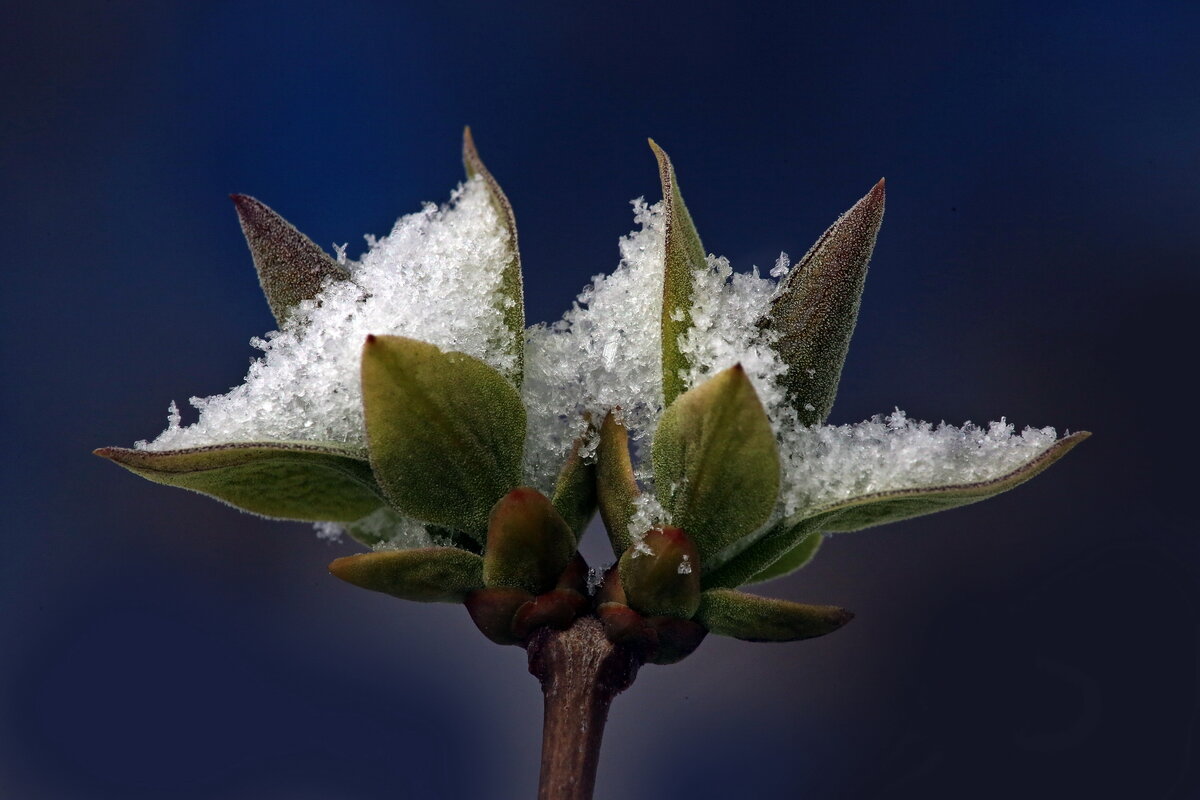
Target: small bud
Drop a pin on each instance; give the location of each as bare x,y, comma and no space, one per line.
624,626
660,574
529,544
556,609
610,589
493,612
575,576
677,639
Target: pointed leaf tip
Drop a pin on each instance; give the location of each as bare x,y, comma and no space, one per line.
814,312
511,297
684,254
291,267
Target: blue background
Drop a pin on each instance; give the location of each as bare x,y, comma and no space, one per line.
1038,260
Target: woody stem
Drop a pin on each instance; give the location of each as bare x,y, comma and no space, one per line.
581,672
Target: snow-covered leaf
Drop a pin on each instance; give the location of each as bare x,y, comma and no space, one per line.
815,310
427,575
784,548
762,619
684,255
444,430
291,267
284,480
716,468
511,293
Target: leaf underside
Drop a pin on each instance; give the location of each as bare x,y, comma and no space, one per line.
282,480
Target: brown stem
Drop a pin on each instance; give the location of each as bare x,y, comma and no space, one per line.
581,672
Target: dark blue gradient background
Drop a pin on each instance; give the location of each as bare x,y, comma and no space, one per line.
1038,260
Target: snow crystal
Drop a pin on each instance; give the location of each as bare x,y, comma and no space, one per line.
604,354
435,277
826,464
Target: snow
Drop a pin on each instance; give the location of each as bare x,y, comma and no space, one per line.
436,277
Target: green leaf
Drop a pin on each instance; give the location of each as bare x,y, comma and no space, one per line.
781,550
775,545
815,310
684,255
763,619
716,467
284,480
428,575
511,290
291,267
616,487
445,431
575,489
528,543
661,574
803,551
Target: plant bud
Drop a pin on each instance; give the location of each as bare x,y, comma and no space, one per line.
493,611
661,574
529,544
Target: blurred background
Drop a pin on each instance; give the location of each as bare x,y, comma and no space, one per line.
1038,261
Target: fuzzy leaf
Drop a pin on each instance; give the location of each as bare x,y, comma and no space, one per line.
661,574
511,290
528,543
428,575
616,487
763,619
291,267
780,551
284,480
803,551
776,544
445,431
575,489
716,466
815,310
684,255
